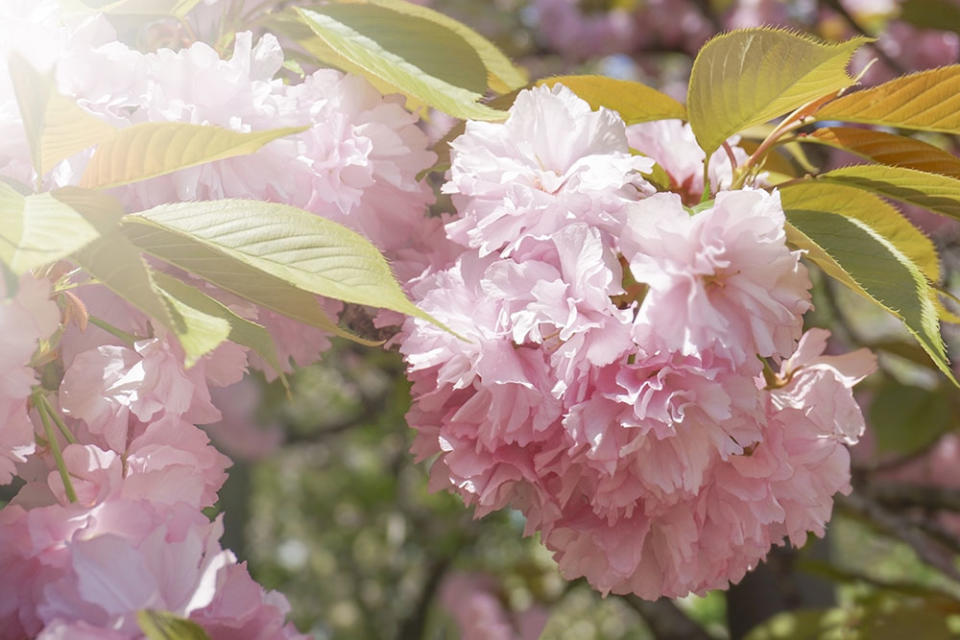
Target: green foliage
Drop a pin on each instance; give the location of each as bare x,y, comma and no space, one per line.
942,15
635,102
56,127
927,100
928,190
162,625
750,76
888,148
38,230
868,253
398,53
875,619
153,149
907,419
502,75
306,251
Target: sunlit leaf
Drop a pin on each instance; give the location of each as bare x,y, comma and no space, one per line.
38,230
236,276
888,148
502,74
635,102
163,625
750,76
308,251
928,190
56,127
400,51
850,250
882,217
927,100
212,322
153,149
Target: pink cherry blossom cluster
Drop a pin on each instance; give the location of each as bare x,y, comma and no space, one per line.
100,413
614,373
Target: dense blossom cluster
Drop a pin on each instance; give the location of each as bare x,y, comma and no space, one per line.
126,532
616,378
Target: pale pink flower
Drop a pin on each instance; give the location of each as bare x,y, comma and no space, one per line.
672,144
722,279
472,601
27,316
97,566
580,35
522,178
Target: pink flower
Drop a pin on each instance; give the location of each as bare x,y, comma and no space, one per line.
27,316
472,600
95,567
722,279
520,178
672,144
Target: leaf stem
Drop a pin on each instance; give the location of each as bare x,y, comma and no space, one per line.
54,446
128,338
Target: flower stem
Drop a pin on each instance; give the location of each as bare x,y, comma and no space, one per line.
54,446
61,425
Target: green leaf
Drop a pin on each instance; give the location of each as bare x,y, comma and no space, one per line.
892,620
906,419
926,100
942,15
202,323
112,259
882,217
888,148
635,102
399,52
38,230
750,76
928,190
153,149
163,625
56,127
853,252
502,75
305,250
199,308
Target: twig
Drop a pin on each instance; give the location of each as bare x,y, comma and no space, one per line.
900,496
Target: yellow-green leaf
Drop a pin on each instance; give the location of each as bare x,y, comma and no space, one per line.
934,192
56,127
502,74
400,52
882,217
926,100
154,149
303,249
750,76
236,276
163,625
635,102
39,229
888,148
211,322
850,250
